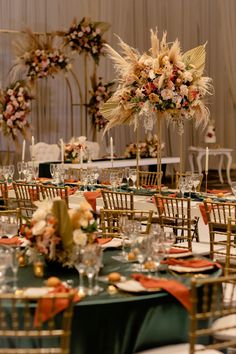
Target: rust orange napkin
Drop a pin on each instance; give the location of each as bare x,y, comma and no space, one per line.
178,250
191,263
203,212
103,241
13,241
72,190
47,308
91,198
217,191
173,287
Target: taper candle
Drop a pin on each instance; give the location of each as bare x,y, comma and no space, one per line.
111,147
207,160
23,151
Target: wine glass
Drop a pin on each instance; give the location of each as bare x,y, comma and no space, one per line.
168,240
10,225
196,178
14,264
114,180
24,168
133,176
233,188
141,248
77,255
158,253
6,173
182,185
124,229
91,262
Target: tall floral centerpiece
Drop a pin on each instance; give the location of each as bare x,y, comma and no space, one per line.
164,83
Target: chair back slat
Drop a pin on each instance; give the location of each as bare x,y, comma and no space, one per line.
117,200
51,192
23,334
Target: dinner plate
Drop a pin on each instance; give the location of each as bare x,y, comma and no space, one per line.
37,291
105,279
133,286
179,255
114,243
182,269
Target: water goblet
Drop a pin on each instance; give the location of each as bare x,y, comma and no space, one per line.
141,248
233,188
196,178
133,176
124,229
182,185
24,169
77,255
91,262
168,240
6,173
158,253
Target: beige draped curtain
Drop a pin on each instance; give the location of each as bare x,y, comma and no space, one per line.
193,21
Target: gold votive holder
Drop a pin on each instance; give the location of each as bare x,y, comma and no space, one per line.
22,260
38,269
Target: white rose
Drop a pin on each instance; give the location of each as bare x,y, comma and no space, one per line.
79,237
39,227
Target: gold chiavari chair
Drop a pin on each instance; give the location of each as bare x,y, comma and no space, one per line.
207,306
175,213
50,192
26,194
110,220
146,178
104,174
217,216
22,327
3,195
117,200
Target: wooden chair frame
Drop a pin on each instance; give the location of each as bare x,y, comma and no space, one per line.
51,192
3,195
26,195
19,330
146,178
117,200
109,220
175,213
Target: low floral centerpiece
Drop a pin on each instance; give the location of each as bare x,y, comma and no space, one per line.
74,148
14,109
147,148
54,230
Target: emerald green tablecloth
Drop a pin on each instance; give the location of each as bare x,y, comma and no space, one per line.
122,323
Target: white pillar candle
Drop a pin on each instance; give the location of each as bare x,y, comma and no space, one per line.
23,151
207,159
62,151
32,148
111,148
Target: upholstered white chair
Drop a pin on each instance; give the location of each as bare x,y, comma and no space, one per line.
44,152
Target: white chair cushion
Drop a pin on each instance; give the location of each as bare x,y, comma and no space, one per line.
46,152
227,334
178,349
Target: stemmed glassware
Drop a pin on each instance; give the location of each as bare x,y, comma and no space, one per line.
14,266
77,256
233,188
196,178
133,176
125,229
182,185
6,173
168,240
91,261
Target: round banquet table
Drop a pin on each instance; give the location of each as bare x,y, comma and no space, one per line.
122,323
